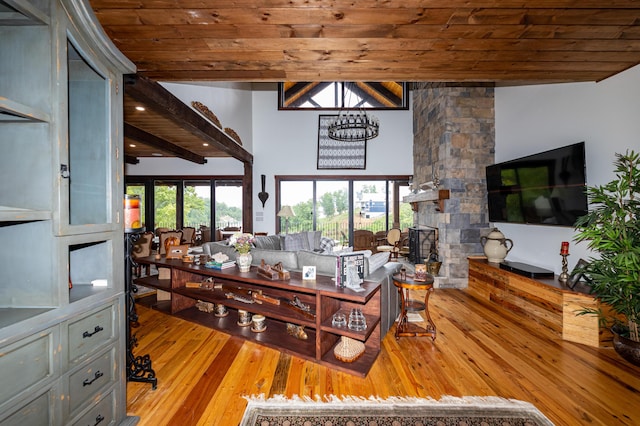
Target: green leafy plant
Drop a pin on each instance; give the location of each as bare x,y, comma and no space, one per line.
612,229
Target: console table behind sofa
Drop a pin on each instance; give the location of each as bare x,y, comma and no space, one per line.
322,295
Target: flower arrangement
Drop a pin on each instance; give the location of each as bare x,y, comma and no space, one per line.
242,242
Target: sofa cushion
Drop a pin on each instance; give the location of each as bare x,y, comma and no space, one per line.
289,259
295,242
377,260
325,263
214,247
271,242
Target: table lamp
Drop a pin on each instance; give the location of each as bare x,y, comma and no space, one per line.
286,212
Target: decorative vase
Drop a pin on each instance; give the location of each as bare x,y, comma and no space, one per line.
244,261
495,246
626,348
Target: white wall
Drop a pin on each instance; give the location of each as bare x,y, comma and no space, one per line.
531,119
172,166
282,142
286,143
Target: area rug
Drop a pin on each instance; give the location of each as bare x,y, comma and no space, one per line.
395,411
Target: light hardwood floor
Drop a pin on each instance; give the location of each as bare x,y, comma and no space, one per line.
480,350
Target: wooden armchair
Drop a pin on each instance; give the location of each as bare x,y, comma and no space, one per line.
161,230
405,251
393,243
205,234
364,239
142,248
164,236
188,235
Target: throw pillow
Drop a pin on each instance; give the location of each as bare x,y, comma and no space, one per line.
326,245
295,242
314,239
269,242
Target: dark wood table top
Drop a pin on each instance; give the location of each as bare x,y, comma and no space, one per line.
409,280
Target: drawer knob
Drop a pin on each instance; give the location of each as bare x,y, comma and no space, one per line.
95,330
99,419
96,376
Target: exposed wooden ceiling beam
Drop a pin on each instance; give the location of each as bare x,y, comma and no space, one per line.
162,144
154,96
130,159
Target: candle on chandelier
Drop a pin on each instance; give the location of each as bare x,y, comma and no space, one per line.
564,248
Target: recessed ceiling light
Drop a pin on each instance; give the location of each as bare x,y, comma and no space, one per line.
140,108
132,145
156,154
205,144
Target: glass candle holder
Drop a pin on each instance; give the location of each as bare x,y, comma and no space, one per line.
357,321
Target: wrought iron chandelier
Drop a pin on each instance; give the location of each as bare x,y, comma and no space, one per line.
353,124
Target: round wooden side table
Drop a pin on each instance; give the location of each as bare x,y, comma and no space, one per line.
404,329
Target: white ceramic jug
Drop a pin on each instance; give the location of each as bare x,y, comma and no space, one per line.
495,246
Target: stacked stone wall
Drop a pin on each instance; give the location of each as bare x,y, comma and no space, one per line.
454,141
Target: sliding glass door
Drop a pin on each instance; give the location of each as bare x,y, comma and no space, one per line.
196,203
332,207
228,209
339,206
165,195
201,203
299,195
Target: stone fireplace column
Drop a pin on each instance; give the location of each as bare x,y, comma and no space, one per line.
454,140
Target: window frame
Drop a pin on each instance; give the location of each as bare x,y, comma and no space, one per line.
148,181
340,97
392,196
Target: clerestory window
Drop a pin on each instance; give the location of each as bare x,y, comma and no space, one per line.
336,95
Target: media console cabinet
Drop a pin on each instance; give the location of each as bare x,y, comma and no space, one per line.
545,301
321,295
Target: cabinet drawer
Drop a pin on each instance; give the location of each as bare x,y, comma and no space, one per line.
91,332
36,412
101,414
87,381
26,363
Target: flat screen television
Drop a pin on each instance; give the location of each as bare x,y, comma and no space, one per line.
548,188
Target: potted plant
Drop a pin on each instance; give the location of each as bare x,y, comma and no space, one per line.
612,230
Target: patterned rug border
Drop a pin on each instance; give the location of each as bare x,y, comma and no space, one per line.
280,405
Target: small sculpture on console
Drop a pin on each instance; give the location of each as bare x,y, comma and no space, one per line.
275,272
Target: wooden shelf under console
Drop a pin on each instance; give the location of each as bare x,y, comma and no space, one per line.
321,295
546,301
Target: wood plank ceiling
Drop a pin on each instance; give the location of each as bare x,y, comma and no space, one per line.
502,42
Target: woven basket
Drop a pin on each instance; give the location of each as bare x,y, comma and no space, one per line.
233,135
206,112
348,350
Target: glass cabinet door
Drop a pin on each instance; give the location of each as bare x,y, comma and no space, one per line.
87,180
